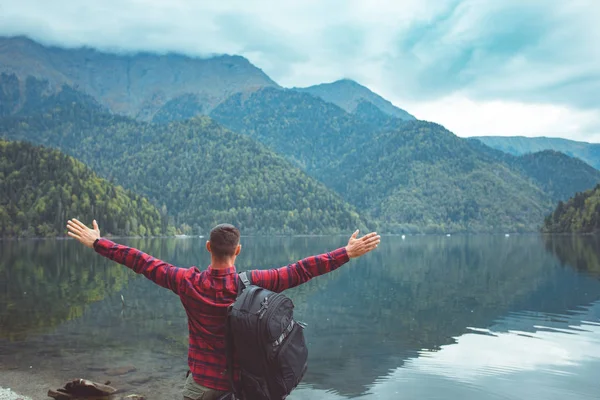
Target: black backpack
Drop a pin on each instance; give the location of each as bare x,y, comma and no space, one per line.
267,343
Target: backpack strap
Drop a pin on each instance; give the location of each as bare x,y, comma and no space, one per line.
227,396
246,279
229,351
243,283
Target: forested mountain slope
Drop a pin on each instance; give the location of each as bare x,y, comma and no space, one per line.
196,171
558,174
411,175
581,214
43,188
305,129
420,176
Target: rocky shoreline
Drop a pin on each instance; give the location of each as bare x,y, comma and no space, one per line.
34,384
8,394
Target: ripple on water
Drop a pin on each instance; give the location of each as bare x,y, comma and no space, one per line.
554,354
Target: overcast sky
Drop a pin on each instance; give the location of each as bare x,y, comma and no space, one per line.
479,67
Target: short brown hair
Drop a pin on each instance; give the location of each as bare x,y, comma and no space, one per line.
224,239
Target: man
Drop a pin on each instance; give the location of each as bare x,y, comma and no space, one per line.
207,294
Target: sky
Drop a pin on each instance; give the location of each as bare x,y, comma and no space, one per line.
478,67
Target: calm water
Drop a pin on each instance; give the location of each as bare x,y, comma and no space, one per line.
479,317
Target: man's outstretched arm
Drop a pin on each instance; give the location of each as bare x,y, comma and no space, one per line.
302,271
160,272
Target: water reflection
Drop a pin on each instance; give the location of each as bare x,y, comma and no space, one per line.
580,252
457,312
44,283
542,362
417,296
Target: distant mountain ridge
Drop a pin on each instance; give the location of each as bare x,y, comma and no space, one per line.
518,145
349,94
136,85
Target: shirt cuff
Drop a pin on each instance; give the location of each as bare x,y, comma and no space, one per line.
101,245
340,255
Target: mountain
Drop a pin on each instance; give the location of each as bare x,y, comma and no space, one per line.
419,176
581,214
305,129
559,175
43,188
370,114
196,171
10,94
135,85
349,94
32,96
518,145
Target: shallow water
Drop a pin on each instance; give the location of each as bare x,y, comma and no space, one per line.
461,317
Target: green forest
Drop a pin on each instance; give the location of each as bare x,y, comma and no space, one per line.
559,175
581,214
43,188
308,131
195,171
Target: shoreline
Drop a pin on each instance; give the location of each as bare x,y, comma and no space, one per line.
110,237
300,235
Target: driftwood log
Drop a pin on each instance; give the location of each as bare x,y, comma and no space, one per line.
83,389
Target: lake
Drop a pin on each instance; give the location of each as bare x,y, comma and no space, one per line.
425,317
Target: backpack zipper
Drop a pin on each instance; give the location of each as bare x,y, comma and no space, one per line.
264,306
274,304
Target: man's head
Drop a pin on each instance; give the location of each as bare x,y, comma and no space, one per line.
224,242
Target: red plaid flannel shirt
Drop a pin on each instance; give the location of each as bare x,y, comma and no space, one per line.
205,295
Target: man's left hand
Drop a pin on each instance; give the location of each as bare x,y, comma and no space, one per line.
82,233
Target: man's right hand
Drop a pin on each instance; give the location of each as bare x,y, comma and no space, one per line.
358,247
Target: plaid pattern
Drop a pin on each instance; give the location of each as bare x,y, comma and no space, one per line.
207,294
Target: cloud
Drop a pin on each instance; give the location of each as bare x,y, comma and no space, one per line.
467,117
419,53
538,51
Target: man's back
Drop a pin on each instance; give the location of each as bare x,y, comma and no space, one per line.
206,297
207,294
